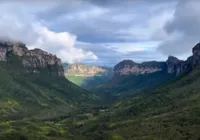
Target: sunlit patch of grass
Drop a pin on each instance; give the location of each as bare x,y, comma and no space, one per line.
117,137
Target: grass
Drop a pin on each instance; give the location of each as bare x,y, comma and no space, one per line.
88,82
78,80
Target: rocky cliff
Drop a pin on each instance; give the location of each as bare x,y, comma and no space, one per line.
33,61
177,67
127,67
86,76
172,66
84,70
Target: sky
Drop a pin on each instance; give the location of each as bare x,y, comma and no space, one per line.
104,32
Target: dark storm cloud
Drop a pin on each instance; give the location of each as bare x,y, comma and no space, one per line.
184,30
92,23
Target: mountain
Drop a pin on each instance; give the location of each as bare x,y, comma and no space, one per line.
179,67
128,67
86,76
32,85
171,111
32,61
133,78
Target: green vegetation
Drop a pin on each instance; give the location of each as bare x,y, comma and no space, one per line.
78,80
88,82
24,130
37,95
126,86
43,107
171,112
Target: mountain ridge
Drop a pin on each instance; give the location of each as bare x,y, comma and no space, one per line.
133,78
33,61
32,85
172,65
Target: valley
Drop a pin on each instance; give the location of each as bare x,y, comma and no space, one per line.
140,101
99,70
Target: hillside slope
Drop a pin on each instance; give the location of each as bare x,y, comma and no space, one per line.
171,112
127,85
32,85
131,78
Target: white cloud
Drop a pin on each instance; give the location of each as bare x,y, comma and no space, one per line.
63,44
24,27
133,46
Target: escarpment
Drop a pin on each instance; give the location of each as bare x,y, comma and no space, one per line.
33,61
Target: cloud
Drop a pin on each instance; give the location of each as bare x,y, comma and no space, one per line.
127,27
101,32
26,28
183,31
111,54
63,44
94,23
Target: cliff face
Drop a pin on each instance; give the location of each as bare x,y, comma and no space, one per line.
177,67
194,60
85,70
9,47
86,76
127,67
33,61
172,66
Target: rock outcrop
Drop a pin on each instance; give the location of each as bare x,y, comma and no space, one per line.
84,70
172,66
194,60
178,67
33,61
10,47
127,67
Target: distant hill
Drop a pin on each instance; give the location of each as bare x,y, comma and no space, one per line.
86,76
